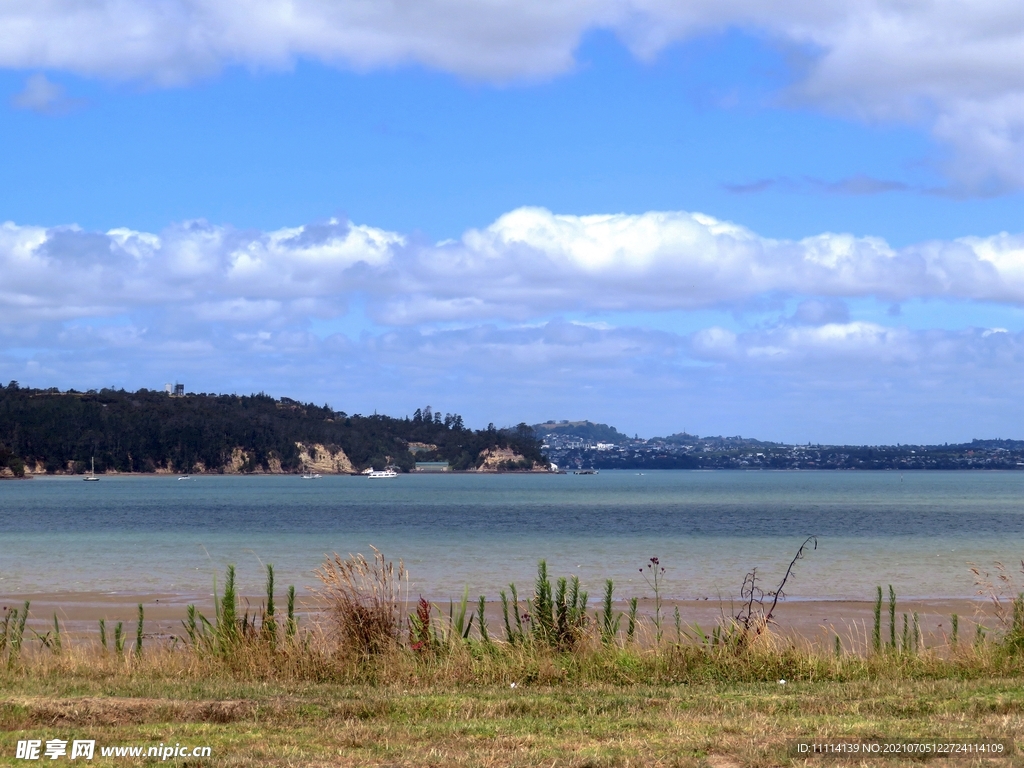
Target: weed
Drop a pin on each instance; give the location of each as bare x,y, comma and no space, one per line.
119,639
892,618
363,599
481,623
631,621
876,632
655,576
138,633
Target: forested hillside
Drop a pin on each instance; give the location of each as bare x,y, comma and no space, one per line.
149,431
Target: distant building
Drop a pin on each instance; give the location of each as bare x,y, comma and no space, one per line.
432,466
177,391
168,388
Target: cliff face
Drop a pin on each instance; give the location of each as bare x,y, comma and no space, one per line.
507,460
317,458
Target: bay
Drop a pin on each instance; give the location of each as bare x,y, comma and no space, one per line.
141,534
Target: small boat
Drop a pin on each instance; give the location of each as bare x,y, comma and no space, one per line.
585,472
311,476
184,477
91,477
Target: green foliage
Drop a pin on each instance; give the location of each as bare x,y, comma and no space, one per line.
119,638
608,621
954,638
138,633
481,622
146,430
892,618
876,632
12,632
457,620
292,625
103,634
516,635
1014,639
269,624
558,620
631,625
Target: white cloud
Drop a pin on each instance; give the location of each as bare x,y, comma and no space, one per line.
955,67
528,265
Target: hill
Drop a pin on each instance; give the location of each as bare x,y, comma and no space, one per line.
150,431
584,430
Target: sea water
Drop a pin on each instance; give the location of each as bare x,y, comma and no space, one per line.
918,531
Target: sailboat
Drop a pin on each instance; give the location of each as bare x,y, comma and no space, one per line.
91,477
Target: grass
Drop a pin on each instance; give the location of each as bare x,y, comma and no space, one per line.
367,685
440,724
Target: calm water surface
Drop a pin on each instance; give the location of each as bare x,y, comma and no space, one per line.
917,531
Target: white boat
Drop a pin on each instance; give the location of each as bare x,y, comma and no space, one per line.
378,473
184,477
91,477
311,476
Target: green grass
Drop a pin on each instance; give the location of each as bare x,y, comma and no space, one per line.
563,688
673,724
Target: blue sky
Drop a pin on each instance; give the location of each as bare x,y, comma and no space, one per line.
796,222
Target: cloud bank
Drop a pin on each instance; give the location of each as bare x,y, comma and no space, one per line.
561,305
527,265
956,68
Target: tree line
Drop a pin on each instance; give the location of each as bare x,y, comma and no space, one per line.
148,431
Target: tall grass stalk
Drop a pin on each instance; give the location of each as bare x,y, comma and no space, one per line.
56,647
103,635
268,628
138,633
608,621
292,625
364,599
13,633
954,638
631,621
892,618
876,633
481,622
119,638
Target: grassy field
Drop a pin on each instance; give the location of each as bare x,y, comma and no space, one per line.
553,684
310,724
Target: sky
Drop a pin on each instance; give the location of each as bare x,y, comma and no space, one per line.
797,221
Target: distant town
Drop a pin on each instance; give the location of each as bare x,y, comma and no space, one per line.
586,445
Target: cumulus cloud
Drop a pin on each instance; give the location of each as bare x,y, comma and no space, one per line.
228,309
527,265
956,68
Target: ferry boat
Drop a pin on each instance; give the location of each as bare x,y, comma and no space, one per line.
380,473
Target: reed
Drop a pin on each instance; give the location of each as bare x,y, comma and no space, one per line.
364,601
631,624
876,633
138,632
608,621
119,639
892,618
481,622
